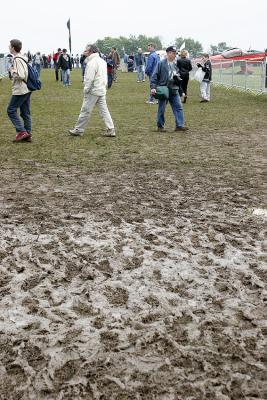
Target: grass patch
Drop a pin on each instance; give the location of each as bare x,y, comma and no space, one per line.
220,132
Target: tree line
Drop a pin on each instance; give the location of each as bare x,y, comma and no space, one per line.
130,44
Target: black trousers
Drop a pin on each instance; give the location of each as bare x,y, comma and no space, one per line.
184,83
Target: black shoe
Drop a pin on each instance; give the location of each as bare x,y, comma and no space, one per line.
204,101
161,130
181,129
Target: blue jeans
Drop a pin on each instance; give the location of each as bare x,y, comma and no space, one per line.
151,98
140,72
110,80
23,103
66,77
177,110
38,68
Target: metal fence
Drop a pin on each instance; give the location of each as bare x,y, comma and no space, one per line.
3,66
245,75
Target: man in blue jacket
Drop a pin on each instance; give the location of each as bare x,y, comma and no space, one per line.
152,62
167,74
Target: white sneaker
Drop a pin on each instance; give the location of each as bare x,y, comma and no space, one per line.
110,133
75,132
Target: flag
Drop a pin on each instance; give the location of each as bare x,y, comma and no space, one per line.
182,46
68,26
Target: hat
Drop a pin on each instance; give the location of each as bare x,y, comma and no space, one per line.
171,49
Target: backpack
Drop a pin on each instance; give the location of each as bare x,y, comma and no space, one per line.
33,82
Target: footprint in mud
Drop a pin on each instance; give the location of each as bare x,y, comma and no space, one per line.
116,296
133,263
152,301
67,371
34,357
109,339
31,282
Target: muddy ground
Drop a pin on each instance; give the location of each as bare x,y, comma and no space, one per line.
138,284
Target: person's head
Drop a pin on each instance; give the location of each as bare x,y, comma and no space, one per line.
113,48
59,50
64,51
15,46
140,50
90,49
184,54
171,53
205,57
151,47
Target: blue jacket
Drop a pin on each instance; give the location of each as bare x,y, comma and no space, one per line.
152,61
161,74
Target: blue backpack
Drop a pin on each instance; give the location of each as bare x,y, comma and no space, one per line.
33,82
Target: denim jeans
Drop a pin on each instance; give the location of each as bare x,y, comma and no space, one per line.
38,68
151,98
110,80
23,103
140,72
66,77
177,110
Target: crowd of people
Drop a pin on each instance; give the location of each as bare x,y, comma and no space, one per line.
168,81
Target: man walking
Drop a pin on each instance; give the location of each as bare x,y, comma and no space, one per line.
166,74
114,55
20,94
152,62
64,62
55,59
95,83
140,62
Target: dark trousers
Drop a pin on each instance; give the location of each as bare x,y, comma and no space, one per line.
23,103
184,83
110,80
56,72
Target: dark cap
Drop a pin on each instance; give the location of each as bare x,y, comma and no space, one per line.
171,49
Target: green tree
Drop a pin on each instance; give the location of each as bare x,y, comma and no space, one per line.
219,48
193,46
127,44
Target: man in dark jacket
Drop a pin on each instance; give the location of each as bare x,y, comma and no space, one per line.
152,62
166,74
205,84
64,62
140,62
55,59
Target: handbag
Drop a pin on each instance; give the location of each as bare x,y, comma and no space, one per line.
162,93
199,75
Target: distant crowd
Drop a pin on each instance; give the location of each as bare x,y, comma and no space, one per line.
168,81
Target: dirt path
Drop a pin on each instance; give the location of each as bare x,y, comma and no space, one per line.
134,285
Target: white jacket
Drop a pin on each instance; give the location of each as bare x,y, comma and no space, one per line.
95,78
20,74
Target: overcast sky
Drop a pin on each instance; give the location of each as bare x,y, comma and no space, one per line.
41,25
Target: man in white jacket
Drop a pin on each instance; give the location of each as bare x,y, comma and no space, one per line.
95,82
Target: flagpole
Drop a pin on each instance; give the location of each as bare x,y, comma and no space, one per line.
68,26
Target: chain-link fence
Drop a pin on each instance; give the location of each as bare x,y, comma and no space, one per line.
3,66
243,74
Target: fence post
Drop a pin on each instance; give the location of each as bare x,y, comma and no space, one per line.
246,74
233,65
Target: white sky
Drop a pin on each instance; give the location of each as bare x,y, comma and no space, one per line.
41,25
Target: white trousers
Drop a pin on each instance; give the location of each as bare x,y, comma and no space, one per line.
205,90
89,102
